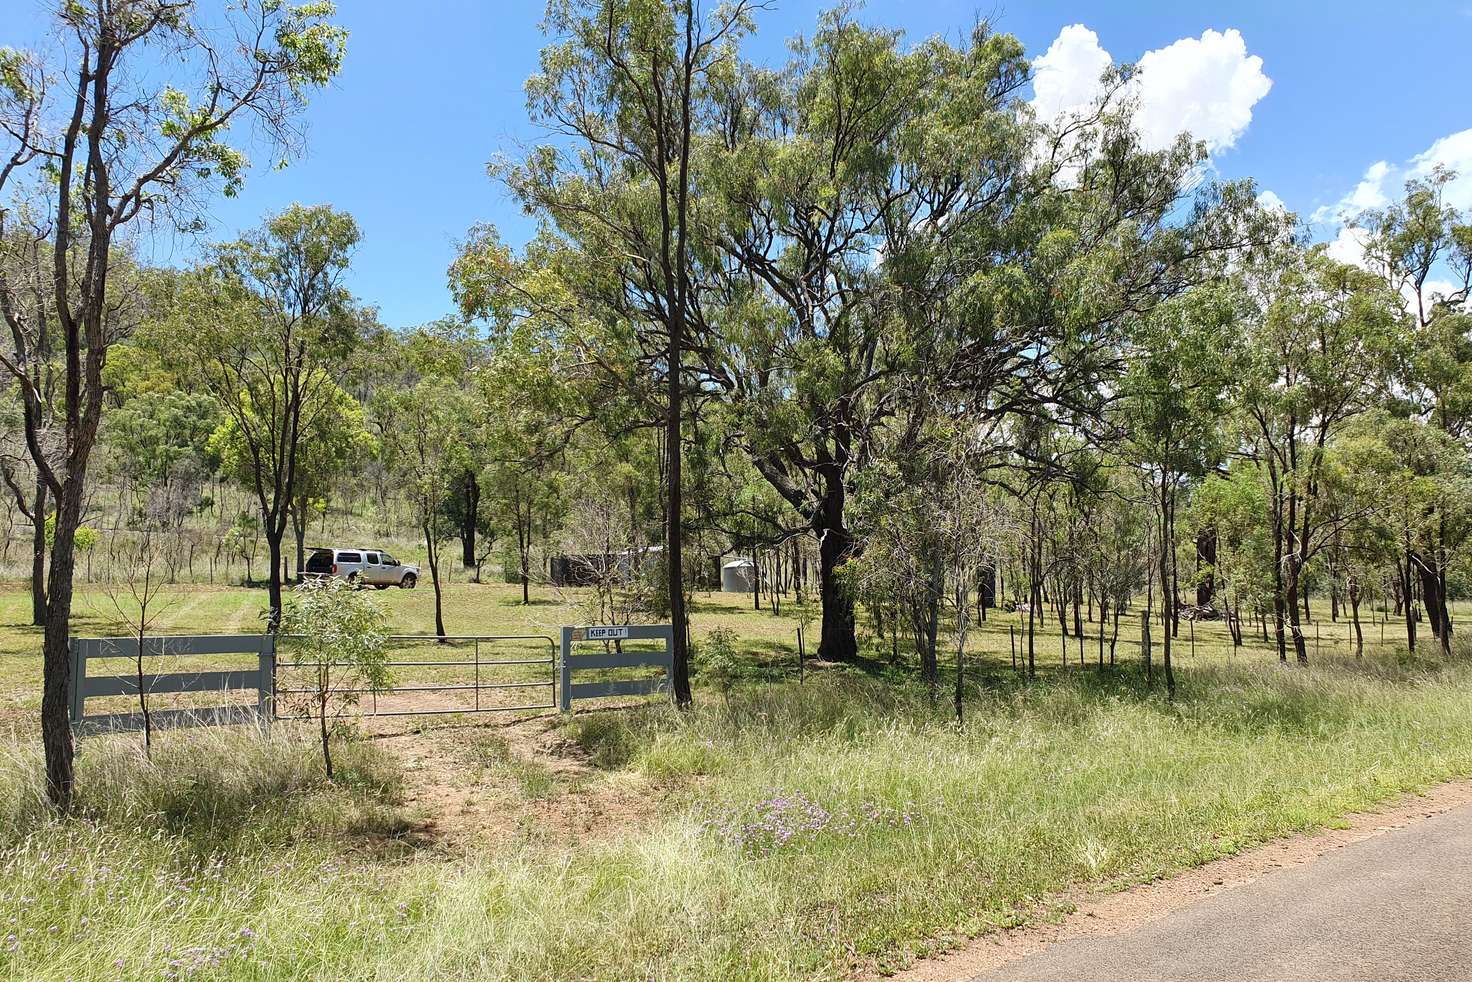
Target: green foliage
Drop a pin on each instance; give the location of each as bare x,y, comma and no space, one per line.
335,646
718,661
334,441
154,431
85,537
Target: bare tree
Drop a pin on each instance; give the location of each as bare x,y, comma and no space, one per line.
135,592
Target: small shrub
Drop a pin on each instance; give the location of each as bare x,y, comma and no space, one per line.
719,660
533,778
489,749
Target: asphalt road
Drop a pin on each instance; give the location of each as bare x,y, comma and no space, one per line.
1394,907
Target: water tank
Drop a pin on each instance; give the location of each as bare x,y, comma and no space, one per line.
738,576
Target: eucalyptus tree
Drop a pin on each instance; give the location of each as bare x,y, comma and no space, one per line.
902,239
421,430
333,442
266,328
929,529
26,273
1321,346
818,175
626,92
1115,553
124,135
1413,244
523,403
1407,486
1233,507
452,352
1176,393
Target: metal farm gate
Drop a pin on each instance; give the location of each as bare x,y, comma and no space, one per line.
454,674
244,679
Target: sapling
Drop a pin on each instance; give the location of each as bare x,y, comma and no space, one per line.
136,595
334,641
720,660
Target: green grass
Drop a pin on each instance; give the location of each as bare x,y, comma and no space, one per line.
798,829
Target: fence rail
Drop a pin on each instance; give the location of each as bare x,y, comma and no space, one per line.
85,651
606,659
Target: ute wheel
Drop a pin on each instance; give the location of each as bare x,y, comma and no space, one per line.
354,581
408,581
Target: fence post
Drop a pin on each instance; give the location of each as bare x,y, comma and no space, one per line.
76,648
266,689
564,687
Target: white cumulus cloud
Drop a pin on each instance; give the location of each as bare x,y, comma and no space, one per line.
1271,201
1204,86
1066,76
1349,247
1453,152
1383,181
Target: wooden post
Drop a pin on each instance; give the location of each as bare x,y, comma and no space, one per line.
801,658
79,652
266,690
1192,622
564,688
1012,644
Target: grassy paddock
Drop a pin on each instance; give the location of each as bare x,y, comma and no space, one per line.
803,828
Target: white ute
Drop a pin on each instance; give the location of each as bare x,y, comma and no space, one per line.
362,567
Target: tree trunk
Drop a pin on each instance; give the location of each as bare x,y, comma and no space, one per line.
838,641
38,556
1432,597
960,656
1167,583
1102,618
432,554
273,586
299,528
1206,560
1295,625
524,558
1279,590
1354,614
56,730
1408,606
325,733
1114,632
468,521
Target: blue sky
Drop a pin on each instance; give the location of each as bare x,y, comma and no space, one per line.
432,90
